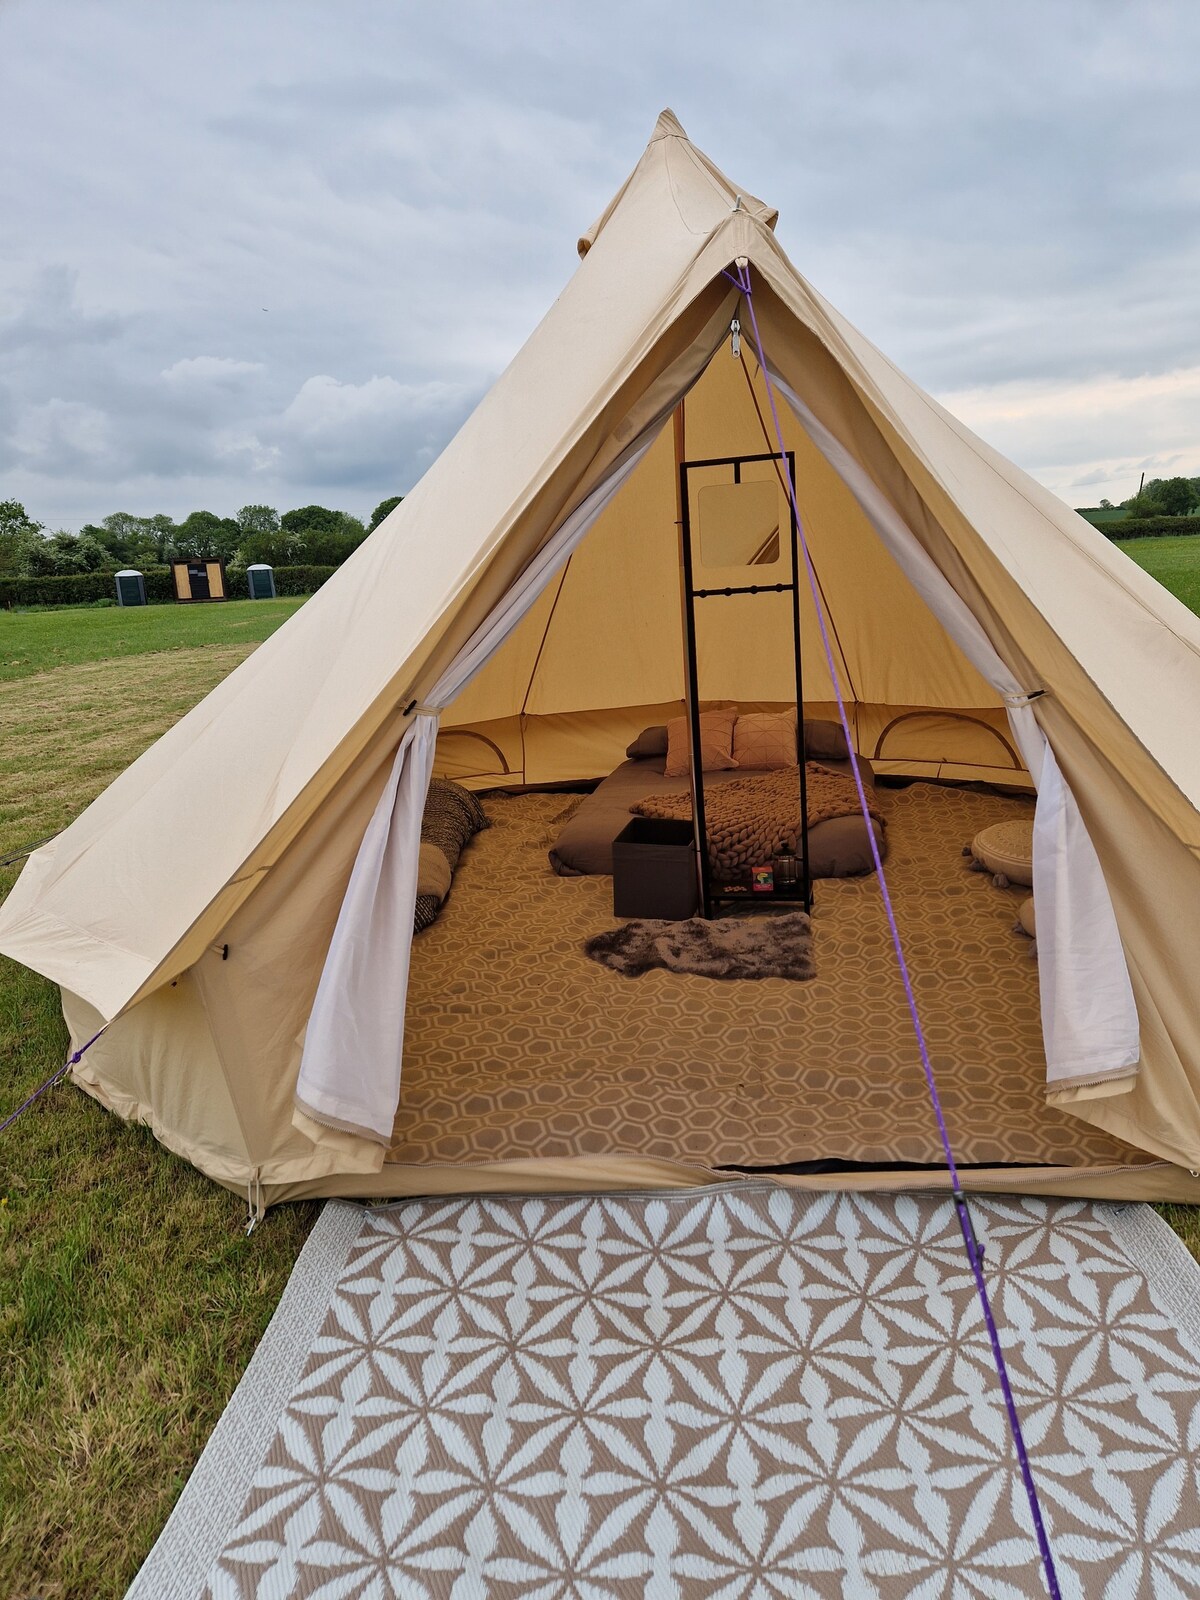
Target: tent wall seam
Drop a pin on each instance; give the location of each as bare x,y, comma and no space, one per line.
537,661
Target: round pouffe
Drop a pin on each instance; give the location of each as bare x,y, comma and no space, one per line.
1006,850
1025,917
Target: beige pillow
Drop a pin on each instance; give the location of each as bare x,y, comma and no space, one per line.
766,739
1006,849
716,743
433,872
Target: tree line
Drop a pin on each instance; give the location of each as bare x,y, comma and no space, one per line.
1161,497
307,536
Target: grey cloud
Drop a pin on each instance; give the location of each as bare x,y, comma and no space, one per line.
51,318
62,436
335,432
208,371
998,197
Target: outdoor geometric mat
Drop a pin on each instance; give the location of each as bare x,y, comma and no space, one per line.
738,1393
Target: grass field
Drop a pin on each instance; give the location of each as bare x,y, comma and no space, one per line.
130,1300
36,641
1175,562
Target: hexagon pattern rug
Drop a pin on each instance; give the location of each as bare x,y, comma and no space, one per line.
518,1046
741,1393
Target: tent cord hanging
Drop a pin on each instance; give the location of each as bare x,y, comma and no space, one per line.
59,1072
973,1248
19,855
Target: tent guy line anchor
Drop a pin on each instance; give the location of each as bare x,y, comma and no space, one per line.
19,855
966,1225
59,1072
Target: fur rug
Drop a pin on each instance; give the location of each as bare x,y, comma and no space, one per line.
735,947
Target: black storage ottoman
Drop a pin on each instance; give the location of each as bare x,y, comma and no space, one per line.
654,870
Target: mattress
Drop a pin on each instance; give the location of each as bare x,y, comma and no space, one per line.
838,848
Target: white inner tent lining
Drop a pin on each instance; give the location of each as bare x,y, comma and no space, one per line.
353,1051
354,1042
1089,1015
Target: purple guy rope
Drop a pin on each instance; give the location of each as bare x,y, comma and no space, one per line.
59,1072
973,1247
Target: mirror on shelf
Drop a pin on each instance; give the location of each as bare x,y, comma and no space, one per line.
739,524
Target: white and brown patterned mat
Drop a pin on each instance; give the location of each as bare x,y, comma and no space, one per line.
745,1392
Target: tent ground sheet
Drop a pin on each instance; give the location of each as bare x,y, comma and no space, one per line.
519,1046
746,1392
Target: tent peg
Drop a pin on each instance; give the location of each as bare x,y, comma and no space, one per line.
254,1203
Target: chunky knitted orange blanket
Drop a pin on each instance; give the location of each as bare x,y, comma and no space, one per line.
751,821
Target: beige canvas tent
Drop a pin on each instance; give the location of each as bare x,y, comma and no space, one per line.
514,622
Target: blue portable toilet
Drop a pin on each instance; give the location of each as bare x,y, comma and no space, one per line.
261,579
131,587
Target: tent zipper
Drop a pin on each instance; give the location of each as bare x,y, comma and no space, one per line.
1088,1083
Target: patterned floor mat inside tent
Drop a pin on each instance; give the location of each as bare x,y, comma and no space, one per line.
517,1046
748,1393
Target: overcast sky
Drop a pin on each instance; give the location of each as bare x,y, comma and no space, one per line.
274,252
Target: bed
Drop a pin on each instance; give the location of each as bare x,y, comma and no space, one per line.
838,847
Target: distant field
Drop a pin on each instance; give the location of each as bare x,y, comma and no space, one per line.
35,641
1174,562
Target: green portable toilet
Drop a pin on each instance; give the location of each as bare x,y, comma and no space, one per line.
261,579
131,588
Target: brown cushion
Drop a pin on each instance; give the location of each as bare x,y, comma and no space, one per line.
765,739
825,741
650,742
716,743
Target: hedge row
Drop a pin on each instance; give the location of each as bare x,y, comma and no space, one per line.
288,580
1148,527
83,588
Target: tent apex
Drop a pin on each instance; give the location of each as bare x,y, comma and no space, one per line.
670,151
668,126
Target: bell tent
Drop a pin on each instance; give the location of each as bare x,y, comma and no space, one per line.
513,624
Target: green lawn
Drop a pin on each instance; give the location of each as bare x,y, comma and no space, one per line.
1175,562
130,1301
35,641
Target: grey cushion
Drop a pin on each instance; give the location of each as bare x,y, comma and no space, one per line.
825,741
650,742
